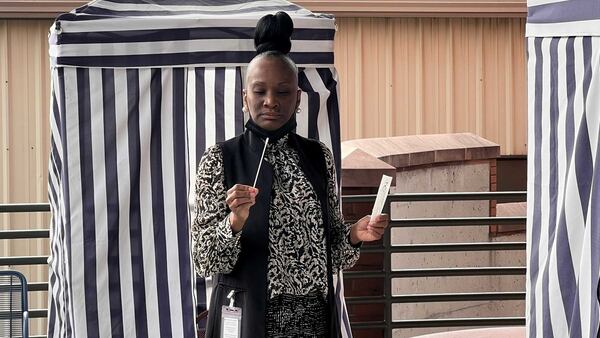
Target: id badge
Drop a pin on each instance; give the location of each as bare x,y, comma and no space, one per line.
231,322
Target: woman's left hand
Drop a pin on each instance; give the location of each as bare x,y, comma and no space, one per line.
369,229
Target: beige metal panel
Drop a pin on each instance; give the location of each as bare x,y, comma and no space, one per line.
25,139
339,8
3,115
403,76
418,8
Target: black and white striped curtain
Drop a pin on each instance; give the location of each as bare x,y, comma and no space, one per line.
563,204
125,145
138,93
120,262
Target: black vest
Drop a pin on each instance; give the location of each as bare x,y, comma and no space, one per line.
241,156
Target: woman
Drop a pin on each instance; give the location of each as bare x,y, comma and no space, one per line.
275,246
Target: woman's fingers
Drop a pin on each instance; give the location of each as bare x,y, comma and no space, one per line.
239,199
240,195
242,188
381,218
376,230
241,203
378,225
372,228
237,187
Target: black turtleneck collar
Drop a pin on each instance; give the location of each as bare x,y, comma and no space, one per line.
273,135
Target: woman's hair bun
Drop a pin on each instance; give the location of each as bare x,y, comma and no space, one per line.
273,33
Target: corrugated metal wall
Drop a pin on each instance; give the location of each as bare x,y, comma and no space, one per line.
404,76
24,140
399,76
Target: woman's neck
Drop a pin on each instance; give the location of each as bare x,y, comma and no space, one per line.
273,135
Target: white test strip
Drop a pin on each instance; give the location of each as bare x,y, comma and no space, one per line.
260,163
382,192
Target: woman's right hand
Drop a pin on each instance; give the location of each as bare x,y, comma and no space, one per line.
239,200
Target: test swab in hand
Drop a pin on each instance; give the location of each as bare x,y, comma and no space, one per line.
382,192
260,163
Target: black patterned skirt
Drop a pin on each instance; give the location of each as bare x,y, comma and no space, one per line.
296,316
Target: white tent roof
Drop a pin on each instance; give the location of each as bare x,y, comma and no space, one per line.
146,33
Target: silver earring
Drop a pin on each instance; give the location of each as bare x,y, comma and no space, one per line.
298,110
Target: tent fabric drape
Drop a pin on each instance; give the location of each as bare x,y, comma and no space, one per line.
129,123
150,34
121,265
563,204
552,18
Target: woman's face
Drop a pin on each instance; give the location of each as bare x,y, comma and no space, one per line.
271,95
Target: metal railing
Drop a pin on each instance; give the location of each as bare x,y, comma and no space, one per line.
27,234
387,248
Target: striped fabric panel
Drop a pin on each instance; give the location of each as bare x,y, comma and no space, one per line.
564,187
57,290
125,146
554,18
120,262
178,7
158,57
128,34
206,32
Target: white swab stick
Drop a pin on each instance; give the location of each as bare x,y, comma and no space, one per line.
260,163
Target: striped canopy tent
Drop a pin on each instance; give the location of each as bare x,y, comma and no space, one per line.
139,90
563,204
